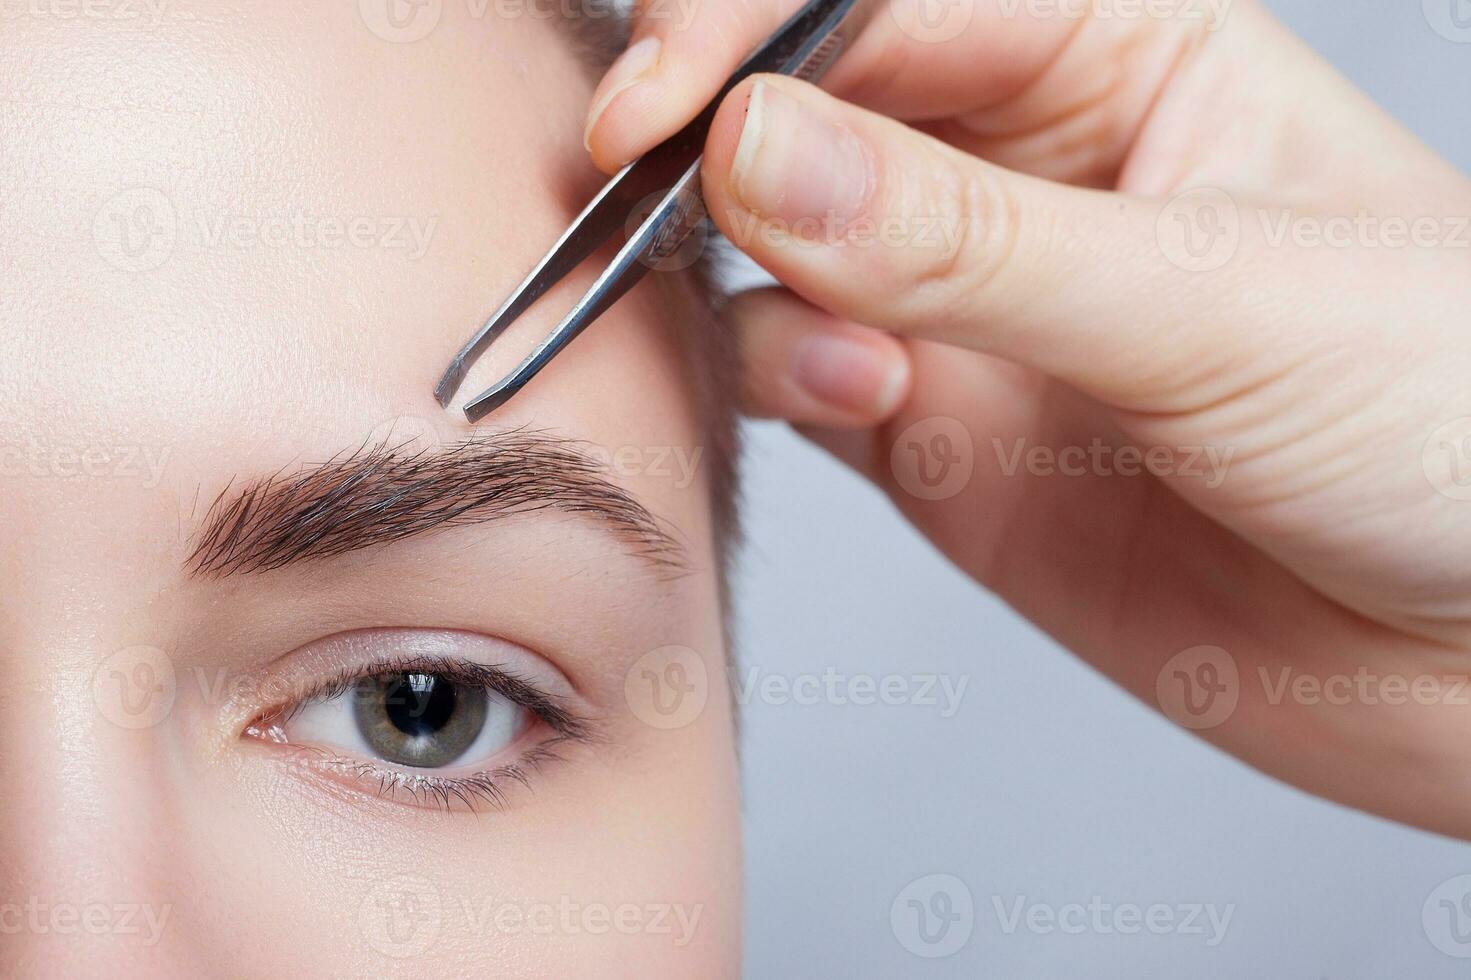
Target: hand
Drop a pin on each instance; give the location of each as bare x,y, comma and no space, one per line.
1055,252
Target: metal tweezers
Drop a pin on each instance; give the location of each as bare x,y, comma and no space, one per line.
669,175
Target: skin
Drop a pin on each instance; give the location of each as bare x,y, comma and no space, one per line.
1066,313
231,360
1326,549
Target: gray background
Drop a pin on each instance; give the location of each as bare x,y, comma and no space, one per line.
1048,783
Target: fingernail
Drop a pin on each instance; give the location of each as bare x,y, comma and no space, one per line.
846,373
630,69
792,163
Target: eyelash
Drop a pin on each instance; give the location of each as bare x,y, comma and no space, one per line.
486,787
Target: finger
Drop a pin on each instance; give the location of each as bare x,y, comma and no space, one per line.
884,226
1126,574
809,367
682,51
1137,102
678,56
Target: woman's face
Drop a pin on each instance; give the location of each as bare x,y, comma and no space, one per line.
299,681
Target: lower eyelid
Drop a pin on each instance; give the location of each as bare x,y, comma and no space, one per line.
492,788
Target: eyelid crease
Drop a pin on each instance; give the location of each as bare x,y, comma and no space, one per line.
382,493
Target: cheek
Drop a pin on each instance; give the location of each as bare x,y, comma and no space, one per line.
629,853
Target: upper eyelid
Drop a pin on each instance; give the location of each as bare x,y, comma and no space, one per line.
314,667
521,692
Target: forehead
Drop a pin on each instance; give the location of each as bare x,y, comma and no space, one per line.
244,235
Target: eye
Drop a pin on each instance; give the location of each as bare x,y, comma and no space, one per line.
412,718
421,720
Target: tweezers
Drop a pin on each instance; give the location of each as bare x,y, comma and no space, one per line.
806,46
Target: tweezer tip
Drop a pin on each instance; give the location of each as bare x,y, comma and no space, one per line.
450,383
492,398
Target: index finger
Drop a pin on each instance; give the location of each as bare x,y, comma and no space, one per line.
914,60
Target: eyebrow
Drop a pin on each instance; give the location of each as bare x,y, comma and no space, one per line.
379,494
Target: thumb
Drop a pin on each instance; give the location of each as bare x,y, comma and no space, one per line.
885,226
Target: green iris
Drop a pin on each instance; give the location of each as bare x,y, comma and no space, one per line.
420,720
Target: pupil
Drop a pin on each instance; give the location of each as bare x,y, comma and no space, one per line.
420,719
419,704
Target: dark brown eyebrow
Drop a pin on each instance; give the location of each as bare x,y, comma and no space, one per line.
383,493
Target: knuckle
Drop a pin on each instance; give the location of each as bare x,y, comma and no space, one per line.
977,215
